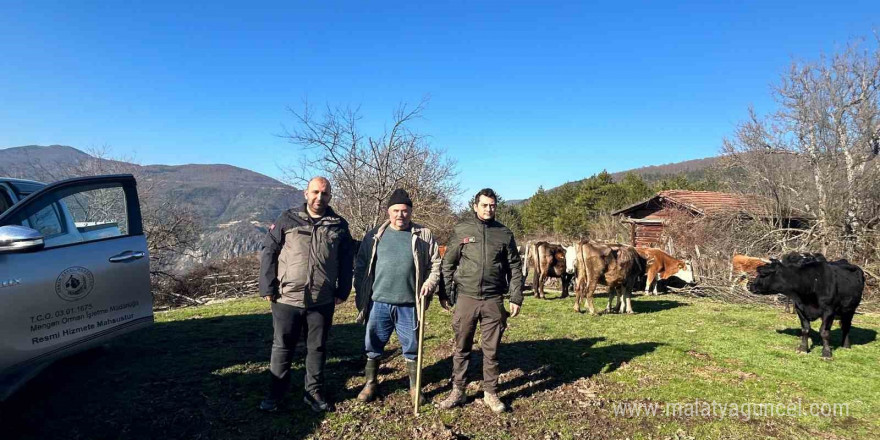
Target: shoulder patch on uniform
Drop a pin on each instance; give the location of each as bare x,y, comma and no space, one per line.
467,240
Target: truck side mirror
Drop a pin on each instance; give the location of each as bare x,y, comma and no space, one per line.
14,238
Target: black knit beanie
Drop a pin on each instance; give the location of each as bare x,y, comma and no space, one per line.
399,196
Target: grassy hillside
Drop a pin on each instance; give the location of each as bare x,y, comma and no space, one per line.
201,372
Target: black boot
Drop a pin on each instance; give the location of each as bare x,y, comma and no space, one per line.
316,401
370,372
411,372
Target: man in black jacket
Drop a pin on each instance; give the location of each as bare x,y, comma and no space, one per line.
305,271
481,264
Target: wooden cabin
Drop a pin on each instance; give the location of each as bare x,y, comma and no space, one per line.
648,217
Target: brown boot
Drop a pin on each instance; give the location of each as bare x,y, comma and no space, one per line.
455,398
494,403
370,372
411,372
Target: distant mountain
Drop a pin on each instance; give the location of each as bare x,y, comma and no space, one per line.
234,205
694,169
20,158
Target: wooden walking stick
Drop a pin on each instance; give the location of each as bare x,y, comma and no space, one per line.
420,313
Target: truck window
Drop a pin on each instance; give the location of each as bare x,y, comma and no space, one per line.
85,215
99,213
48,221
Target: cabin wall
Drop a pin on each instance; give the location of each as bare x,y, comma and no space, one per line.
648,235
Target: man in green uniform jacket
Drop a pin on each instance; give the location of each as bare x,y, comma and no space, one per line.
481,265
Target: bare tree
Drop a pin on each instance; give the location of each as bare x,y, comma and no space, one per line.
817,152
364,170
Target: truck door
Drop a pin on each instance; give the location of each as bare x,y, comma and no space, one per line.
89,281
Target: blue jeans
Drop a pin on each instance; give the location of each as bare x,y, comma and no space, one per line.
384,318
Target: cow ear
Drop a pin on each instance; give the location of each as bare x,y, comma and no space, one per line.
811,262
766,269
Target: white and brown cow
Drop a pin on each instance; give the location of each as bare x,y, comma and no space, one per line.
661,266
571,264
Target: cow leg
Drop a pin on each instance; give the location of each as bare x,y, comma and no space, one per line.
591,289
805,333
612,293
566,280
578,292
652,274
536,280
845,325
825,332
786,302
627,295
539,285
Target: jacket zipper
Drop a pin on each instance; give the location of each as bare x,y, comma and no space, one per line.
483,265
307,298
416,264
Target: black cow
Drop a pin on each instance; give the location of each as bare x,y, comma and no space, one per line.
818,288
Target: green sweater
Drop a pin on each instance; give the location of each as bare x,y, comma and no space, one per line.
395,278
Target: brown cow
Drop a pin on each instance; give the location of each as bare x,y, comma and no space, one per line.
660,266
615,265
547,260
744,268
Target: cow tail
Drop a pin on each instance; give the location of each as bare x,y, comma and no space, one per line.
536,275
581,266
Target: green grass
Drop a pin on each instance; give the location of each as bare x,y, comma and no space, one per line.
200,373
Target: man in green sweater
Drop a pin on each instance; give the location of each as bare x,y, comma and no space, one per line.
396,260
481,264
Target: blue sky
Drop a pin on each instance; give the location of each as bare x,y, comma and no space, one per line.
522,94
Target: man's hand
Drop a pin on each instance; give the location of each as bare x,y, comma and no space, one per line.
514,310
339,301
270,298
424,292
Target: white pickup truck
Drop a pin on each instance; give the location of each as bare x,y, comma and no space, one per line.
74,270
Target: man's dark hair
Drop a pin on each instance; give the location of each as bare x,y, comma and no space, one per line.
488,192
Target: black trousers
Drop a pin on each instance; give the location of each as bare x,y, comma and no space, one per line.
289,323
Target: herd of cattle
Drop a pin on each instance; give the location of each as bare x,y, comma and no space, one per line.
588,263
818,288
